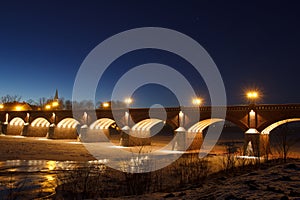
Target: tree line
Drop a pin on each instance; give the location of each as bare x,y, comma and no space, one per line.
64,104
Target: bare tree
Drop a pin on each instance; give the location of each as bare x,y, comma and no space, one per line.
31,102
10,98
68,105
42,102
284,141
83,105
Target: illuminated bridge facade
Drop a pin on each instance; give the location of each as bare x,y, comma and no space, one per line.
257,121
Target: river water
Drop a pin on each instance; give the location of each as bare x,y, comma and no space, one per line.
29,179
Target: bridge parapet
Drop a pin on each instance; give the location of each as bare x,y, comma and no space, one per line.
278,107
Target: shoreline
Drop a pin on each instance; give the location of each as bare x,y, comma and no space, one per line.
37,148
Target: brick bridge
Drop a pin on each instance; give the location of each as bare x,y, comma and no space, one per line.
255,120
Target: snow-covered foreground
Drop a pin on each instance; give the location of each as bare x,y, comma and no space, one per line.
277,182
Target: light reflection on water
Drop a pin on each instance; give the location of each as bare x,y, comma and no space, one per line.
35,178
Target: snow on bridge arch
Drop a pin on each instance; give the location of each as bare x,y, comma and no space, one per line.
15,126
17,121
146,125
276,124
68,123
145,128
103,123
40,122
200,126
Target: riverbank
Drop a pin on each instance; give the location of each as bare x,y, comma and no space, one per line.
272,181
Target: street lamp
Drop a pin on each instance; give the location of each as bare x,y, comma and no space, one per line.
128,101
197,101
252,96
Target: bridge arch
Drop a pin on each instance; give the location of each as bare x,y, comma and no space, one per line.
40,122
99,131
201,125
38,128
196,133
17,121
68,123
103,123
67,128
146,124
15,126
150,128
268,129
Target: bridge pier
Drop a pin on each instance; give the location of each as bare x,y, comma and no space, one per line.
128,140
89,135
187,140
180,144
4,128
25,129
51,131
256,143
83,133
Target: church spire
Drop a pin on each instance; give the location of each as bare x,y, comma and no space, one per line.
56,95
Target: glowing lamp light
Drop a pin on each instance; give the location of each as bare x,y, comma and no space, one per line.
128,101
105,105
252,113
19,108
48,107
197,101
252,95
1,106
55,104
181,114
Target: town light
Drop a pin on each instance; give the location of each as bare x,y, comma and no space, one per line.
55,104
1,106
48,107
105,105
19,108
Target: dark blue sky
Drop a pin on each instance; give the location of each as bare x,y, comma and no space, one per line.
253,43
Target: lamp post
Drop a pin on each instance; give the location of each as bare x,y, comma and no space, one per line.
124,141
127,101
252,96
252,146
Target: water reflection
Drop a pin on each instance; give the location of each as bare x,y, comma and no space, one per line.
29,179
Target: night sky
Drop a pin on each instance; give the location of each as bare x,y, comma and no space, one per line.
255,44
